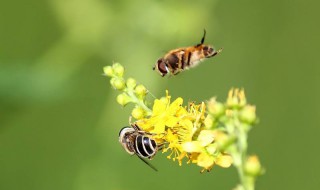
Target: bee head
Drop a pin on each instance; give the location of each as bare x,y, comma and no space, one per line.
161,67
209,51
123,138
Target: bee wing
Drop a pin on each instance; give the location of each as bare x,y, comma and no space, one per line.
148,163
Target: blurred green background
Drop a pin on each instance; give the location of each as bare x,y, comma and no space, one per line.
59,120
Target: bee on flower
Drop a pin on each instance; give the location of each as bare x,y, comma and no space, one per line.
181,129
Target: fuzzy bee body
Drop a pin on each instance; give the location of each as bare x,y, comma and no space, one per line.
180,59
138,142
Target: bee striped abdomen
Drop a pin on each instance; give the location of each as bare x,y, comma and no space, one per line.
188,58
145,146
183,62
138,142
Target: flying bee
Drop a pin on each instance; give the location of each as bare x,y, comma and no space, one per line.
180,59
138,142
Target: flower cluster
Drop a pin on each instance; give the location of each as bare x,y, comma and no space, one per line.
184,132
206,133
131,92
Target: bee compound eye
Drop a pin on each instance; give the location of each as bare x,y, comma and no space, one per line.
162,67
125,130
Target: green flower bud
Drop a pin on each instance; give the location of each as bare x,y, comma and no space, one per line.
215,108
118,69
112,81
140,90
248,114
118,83
107,70
131,83
138,113
253,166
123,99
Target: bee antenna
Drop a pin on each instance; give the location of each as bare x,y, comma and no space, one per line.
204,36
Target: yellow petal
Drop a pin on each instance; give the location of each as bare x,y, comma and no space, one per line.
159,128
224,161
170,137
159,107
175,106
206,137
187,125
181,112
193,146
208,122
144,124
171,121
211,148
205,160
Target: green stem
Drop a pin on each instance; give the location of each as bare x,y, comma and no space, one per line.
246,181
138,101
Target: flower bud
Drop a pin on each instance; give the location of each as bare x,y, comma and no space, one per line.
253,166
138,113
112,81
118,69
248,114
123,99
214,107
131,83
118,83
236,98
107,70
140,90
223,140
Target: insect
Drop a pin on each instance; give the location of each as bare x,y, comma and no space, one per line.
180,59
138,142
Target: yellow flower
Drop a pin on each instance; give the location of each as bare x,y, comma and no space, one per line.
163,115
185,132
205,153
173,124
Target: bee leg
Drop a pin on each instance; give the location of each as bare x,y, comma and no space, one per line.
146,162
136,127
160,146
175,73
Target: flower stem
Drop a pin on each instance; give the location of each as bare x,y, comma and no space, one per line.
138,101
246,181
